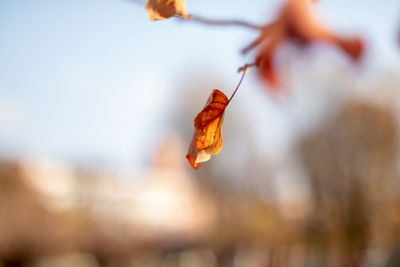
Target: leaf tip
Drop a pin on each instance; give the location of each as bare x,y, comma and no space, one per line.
192,162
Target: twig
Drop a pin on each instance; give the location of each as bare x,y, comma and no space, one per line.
246,66
217,22
266,32
244,69
252,45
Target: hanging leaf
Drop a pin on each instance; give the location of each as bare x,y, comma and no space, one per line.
164,9
207,136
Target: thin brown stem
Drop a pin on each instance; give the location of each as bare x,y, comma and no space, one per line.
244,69
217,22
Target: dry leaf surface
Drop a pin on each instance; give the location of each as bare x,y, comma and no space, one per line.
164,9
207,136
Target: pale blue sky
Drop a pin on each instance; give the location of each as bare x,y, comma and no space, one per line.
96,79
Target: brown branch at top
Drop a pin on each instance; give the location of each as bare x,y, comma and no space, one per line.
269,28
214,22
218,22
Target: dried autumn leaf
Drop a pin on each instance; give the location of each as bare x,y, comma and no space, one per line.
298,23
164,9
207,136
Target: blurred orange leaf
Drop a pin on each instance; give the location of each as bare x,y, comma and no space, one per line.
164,9
297,22
207,136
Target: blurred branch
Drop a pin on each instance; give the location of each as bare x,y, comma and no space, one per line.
214,22
260,39
218,22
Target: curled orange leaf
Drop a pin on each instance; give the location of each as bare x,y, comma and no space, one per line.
207,136
164,9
